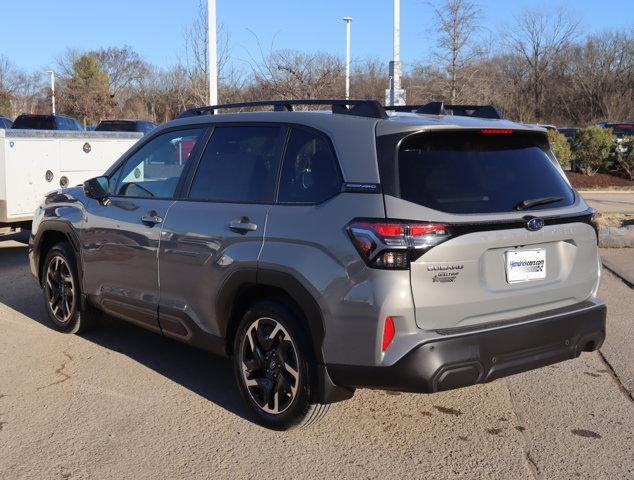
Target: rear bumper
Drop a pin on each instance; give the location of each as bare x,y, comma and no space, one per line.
479,357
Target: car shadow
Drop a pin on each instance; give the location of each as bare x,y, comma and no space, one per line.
205,374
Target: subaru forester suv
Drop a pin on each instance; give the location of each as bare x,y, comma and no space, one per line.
408,249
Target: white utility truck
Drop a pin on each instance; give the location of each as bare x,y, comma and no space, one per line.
35,162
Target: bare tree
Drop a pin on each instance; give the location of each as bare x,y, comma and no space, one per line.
124,67
602,77
290,74
194,64
456,24
538,38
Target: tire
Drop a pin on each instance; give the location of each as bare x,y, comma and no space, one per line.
273,367
62,292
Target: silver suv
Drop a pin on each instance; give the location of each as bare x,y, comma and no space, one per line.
407,249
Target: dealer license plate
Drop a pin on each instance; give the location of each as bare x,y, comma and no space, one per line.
525,265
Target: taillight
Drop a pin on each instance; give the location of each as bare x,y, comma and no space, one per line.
393,244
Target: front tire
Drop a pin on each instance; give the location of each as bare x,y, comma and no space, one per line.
273,367
62,293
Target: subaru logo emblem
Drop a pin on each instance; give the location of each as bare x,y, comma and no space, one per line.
535,224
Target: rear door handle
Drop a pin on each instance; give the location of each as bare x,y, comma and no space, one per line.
243,225
151,219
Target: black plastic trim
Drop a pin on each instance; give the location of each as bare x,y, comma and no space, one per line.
463,360
59,226
361,108
178,325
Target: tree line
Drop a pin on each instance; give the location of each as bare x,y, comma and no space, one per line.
540,68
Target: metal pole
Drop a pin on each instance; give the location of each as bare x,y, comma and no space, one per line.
395,95
52,89
397,31
348,20
213,54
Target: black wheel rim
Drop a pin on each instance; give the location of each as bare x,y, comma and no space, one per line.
60,289
270,367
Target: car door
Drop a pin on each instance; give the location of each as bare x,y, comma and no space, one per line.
121,236
218,228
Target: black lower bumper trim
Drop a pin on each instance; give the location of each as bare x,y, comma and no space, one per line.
460,361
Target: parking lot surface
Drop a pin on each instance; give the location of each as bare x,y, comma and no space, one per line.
611,202
120,402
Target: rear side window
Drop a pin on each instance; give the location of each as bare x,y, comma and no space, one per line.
310,173
34,122
240,164
116,127
475,172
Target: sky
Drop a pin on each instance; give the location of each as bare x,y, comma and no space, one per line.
35,32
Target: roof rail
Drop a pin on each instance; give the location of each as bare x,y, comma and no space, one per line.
360,108
439,108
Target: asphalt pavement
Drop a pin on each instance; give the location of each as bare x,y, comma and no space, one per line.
610,202
121,402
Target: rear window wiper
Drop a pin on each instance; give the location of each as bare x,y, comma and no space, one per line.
533,202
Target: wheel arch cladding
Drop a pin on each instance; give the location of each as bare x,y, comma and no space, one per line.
49,236
245,287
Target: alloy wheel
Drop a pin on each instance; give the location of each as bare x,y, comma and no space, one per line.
60,289
270,367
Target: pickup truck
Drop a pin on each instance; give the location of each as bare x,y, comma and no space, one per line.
35,162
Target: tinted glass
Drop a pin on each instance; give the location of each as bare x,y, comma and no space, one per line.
154,170
310,173
240,164
472,172
34,122
116,127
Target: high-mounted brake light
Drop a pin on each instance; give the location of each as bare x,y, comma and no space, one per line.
388,333
393,244
496,131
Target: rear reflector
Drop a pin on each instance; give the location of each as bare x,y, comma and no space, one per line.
388,333
496,131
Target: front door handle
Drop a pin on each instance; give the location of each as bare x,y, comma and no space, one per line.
151,219
243,225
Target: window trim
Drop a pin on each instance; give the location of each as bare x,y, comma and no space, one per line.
205,131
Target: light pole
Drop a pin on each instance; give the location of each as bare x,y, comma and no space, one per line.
52,73
213,53
348,21
395,95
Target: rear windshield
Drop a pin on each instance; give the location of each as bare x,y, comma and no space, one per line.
474,172
34,122
116,127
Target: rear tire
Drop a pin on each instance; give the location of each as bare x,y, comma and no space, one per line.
62,293
273,367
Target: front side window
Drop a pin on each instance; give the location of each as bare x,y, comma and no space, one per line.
310,173
240,164
154,170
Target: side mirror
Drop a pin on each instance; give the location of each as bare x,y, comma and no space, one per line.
97,188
